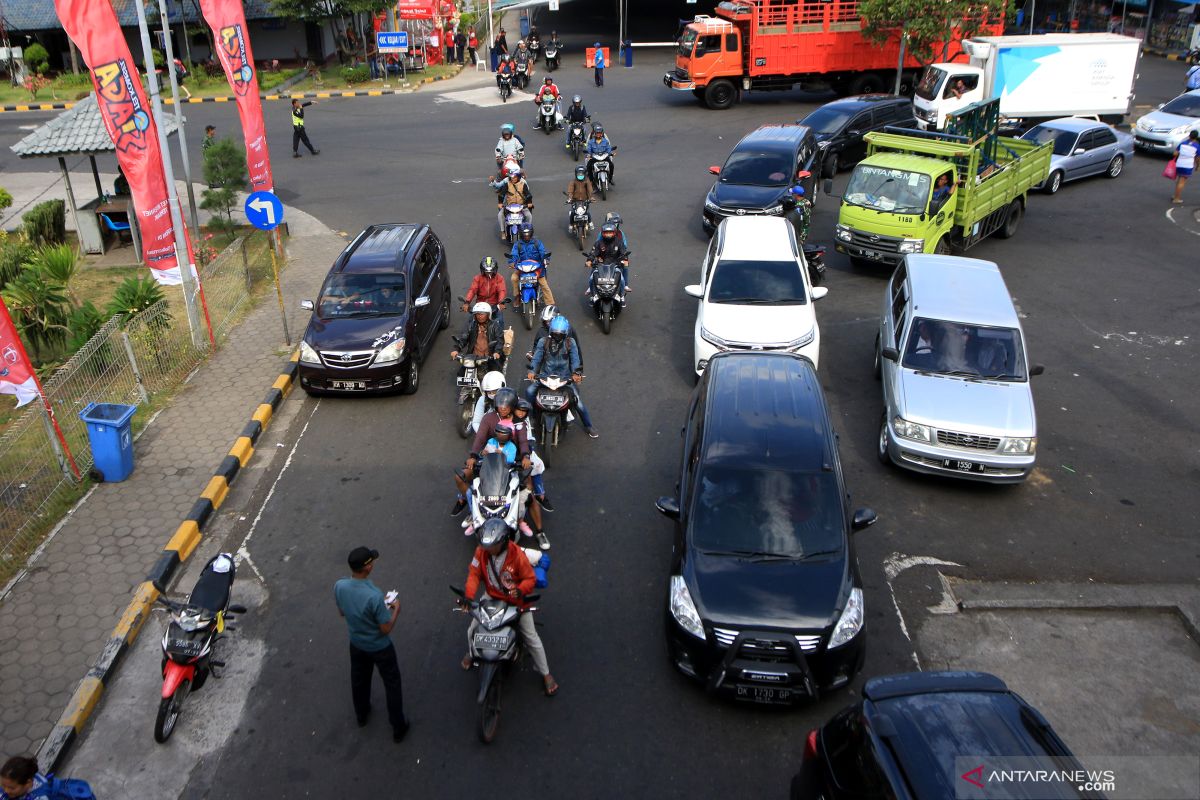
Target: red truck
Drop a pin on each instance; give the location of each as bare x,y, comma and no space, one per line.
772,45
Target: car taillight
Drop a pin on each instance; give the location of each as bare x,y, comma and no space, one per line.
810,745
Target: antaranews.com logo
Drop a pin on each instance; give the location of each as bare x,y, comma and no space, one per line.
1114,777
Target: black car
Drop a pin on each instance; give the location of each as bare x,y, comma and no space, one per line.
380,308
915,735
759,173
839,126
765,602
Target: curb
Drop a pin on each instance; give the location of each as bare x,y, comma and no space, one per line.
1154,51
181,545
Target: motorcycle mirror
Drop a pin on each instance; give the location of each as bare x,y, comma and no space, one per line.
714,169
532,598
694,290
668,506
819,291
236,609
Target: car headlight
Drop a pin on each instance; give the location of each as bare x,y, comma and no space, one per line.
1019,446
851,622
1181,129
390,353
713,339
842,232
804,340
911,430
307,354
912,245
709,205
683,609
774,210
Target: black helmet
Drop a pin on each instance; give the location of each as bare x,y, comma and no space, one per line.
580,173
503,434
487,266
597,128
608,231
505,398
547,80
492,531
525,405
527,232
614,218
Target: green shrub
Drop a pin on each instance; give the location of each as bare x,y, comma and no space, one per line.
82,324
13,255
57,264
36,58
6,199
159,58
352,75
69,80
135,293
39,310
46,223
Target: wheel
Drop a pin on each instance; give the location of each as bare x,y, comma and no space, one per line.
412,376
1115,166
465,414
719,95
575,150
1054,182
444,321
579,237
530,310
829,168
867,83
489,712
882,450
942,248
605,323
878,366
545,452
1012,221
603,190
168,712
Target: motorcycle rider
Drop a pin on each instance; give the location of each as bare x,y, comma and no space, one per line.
609,247
509,147
525,248
515,191
534,39
579,190
502,442
521,413
615,219
503,569
548,88
597,144
553,43
492,382
488,287
548,315
504,67
576,113
483,337
799,206
556,355
521,56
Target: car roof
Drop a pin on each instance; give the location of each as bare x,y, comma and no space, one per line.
380,248
859,101
774,137
1072,124
766,410
959,289
756,238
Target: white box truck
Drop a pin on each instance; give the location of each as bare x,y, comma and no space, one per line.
1036,77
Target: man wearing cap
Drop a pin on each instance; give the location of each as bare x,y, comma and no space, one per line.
370,618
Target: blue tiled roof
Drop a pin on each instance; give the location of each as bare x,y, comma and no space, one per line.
36,15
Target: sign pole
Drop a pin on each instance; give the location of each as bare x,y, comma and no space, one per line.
287,337
265,212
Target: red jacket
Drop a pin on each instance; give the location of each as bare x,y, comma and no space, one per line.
548,88
487,289
516,573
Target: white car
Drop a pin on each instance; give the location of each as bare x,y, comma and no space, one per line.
755,292
1163,129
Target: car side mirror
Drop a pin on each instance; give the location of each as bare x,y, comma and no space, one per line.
890,353
827,186
819,291
694,290
1036,369
1079,151
863,518
421,301
714,169
307,305
668,506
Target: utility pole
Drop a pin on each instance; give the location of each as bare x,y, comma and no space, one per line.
183,151
900,63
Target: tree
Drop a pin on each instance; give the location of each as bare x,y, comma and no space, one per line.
928,26
225,174
37,58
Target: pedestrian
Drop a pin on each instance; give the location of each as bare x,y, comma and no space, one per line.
299,134
598,63
460,46
19,778
502,42
210,138
370,617
181,74
472,46
373,60
449,44
1185,162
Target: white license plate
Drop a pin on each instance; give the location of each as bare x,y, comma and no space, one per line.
466,381
491,641
553,399
528,281
351,385
874,255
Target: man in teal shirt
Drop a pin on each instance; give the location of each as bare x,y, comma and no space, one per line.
370,618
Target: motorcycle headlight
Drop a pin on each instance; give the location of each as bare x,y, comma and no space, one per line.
851,622
842,232
912,245
911,430
713,339
307,354
1018,446
709,205
390,353
683,609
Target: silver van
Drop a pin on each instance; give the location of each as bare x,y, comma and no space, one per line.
952,358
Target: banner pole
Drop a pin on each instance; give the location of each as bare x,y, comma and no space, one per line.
183,151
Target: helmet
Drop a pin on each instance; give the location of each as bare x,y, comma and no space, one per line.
507,128
559,327
597,128
487,266
549,313
576,99
506,398
596,45
608,231
492,381
526,231
492,531
798,190
503,433
614,218
482,308
524,405
547,81
520,43
580,172
514,171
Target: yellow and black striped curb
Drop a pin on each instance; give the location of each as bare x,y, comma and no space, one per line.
1154,51
187,536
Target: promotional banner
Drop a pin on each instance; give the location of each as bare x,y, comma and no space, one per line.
228,22
92,25
16,373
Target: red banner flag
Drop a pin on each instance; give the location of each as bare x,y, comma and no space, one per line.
228,22
92,25
16,373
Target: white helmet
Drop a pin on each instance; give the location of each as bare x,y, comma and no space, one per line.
492,381
482,308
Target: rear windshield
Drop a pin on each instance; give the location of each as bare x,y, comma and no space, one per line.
930,84
1064,141
826,119
886,189
756,168
1187,105
758,283
362,295
972,351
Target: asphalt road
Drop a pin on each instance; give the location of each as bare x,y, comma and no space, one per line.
1105,282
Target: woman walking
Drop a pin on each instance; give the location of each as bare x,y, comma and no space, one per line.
1185,162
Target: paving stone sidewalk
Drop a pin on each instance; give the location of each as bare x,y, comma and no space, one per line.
59,614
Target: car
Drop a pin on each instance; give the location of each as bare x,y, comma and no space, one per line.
1082,147
952,357
760,171
839,126
913,735
378,313
755,292
764,600
1165,128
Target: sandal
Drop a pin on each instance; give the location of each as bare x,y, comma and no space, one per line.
467,662
550,685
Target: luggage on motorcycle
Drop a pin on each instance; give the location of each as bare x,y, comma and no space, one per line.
508,341
68,789
540,561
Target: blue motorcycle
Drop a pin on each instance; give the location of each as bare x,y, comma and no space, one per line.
528,273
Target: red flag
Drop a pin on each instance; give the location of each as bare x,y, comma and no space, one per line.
228,22
92,25
16,373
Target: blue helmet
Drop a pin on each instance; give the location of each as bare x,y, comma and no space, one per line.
507,127
559,326
798,190
597,45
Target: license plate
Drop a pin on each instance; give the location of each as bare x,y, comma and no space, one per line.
528,280
553,399
184,647
490,641
351,385
466,381
874,255
764,694
962,466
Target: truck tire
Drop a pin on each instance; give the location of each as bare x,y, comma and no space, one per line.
942,248
908,83
1012,220
867,83
719,95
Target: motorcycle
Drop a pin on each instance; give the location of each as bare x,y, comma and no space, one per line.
552,404
495,647
514,215
495,492
551,57
580,220
1193,56
470,368
521,75
599,167
578,140
188,643
506,86
528,272
548,115
608,292
814,256
535,47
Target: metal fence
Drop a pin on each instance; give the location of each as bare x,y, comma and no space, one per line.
131,359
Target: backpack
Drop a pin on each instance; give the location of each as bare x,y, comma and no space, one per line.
69,789
1193,77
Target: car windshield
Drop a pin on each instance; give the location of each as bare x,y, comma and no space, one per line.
1064,141
971,351
886,189
930,84
754,168
686,41
767,512
826,119
757,283
1186,105
362,295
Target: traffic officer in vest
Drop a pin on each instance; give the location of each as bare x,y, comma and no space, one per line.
298,133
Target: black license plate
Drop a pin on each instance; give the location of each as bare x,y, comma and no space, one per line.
354,386
962,466
766,694
185,647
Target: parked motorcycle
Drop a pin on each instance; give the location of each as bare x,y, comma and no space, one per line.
528,272
551,58
548,115
191,636
521,74
514,215
578,142
599,169
814,256
607,292
506,86
495,647
552,405
580,220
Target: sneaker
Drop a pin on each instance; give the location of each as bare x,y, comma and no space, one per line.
317,152
543,541
545,503
593,433
362,721
523,526
458,507
295,155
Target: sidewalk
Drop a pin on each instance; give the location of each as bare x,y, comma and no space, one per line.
58,615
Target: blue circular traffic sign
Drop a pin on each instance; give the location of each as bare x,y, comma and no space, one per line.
264,210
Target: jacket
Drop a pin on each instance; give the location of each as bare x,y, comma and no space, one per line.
522,250
540,334
603,251
515,573
298,114
509,147
576,113
550,89
487,430
602,146
547,362
495,337
579,190
516,194
487,289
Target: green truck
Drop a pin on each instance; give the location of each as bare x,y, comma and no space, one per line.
921,192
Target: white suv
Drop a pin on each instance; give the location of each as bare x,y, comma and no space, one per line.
755,292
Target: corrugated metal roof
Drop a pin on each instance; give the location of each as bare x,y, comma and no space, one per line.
35,15
79,129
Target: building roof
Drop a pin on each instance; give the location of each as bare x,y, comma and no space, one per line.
36,15
78,130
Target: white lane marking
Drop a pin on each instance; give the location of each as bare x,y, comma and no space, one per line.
484,97
1170,211
897,563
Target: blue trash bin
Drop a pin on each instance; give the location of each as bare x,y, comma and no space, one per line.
108,427
627,46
